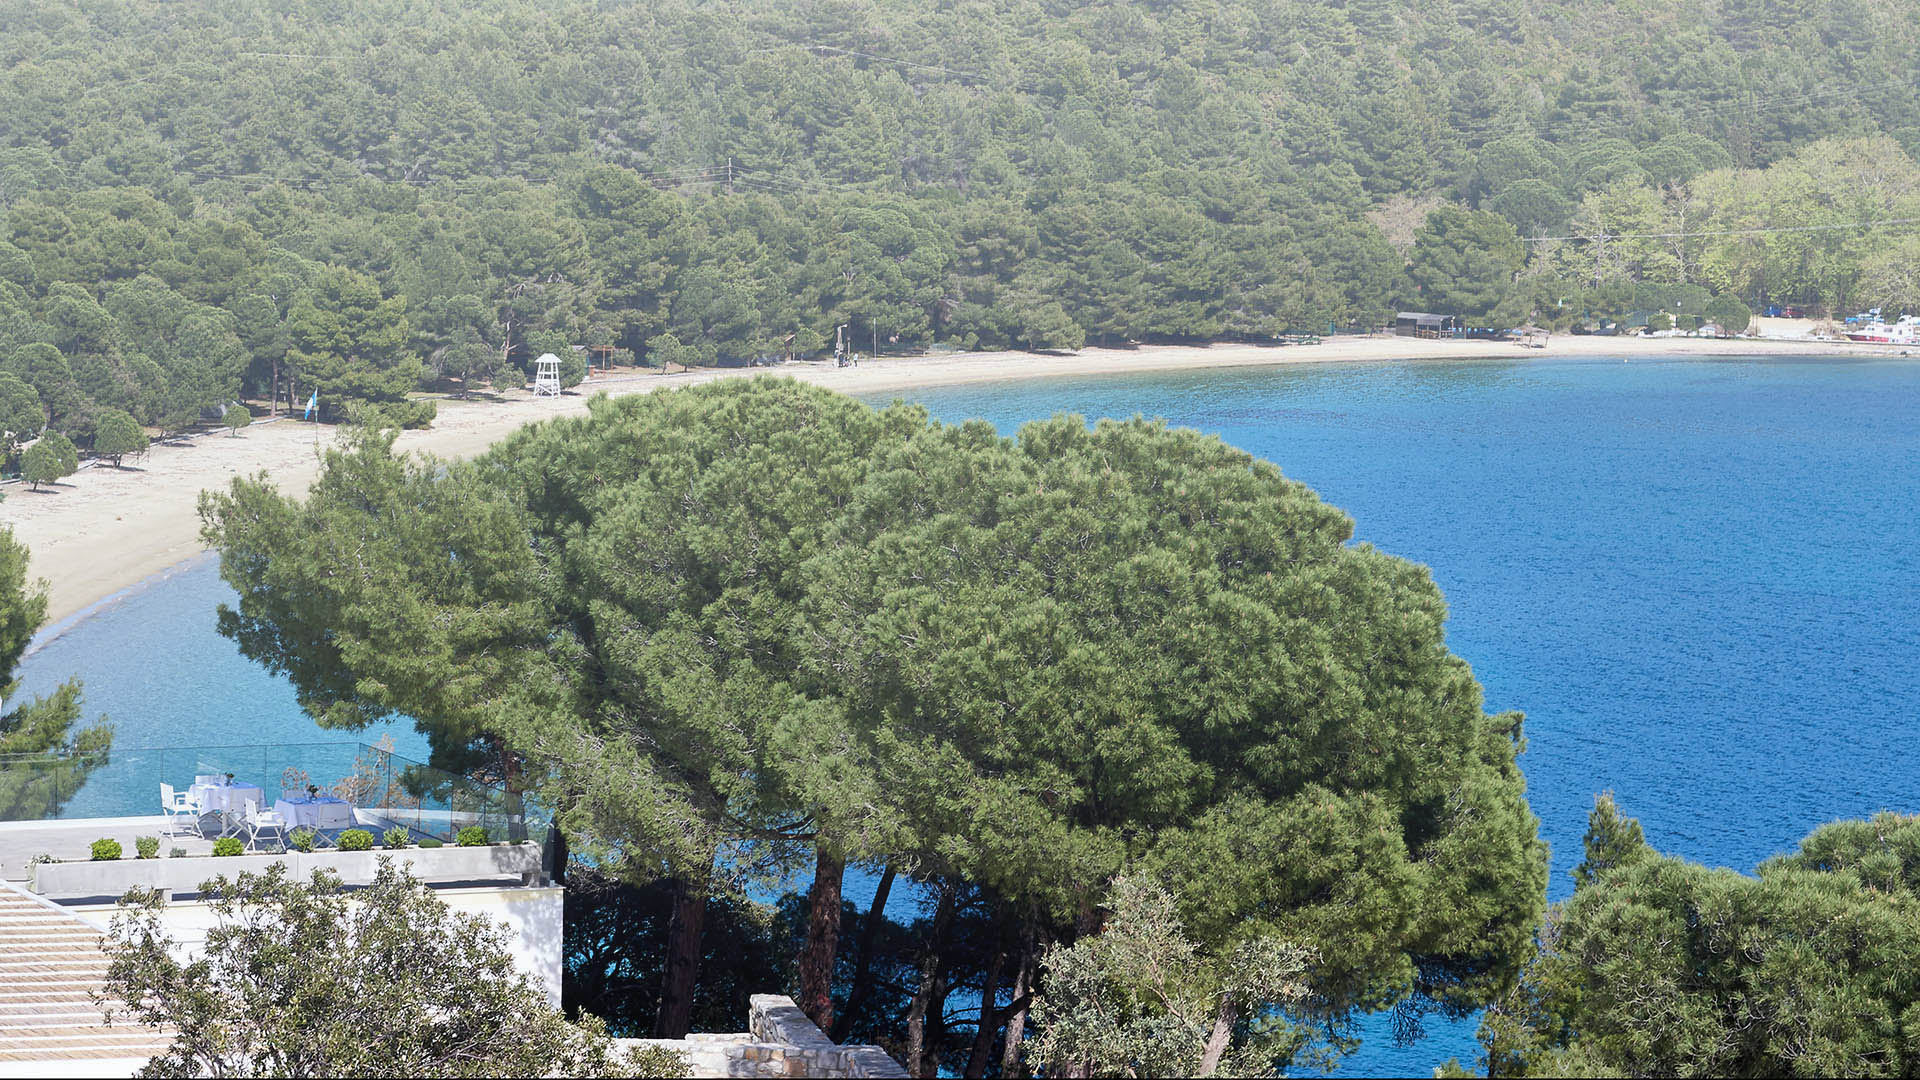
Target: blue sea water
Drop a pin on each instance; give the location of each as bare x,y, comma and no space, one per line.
152,663
1700,579
1696,577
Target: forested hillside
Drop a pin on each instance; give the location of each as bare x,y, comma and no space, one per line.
208,200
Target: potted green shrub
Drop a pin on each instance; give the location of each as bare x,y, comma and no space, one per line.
105,850
147,846
395,838
228,845
472,836
301,839
356,840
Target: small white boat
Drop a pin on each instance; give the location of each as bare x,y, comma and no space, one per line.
1904,332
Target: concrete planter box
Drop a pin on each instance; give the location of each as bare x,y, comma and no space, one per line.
428,864
115,877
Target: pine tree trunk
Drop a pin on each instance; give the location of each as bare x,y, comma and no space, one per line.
863,966
823,938
935,1028
1017,1008
989,1017
929,983
683,960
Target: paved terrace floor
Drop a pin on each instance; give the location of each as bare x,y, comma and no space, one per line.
72,839
50,965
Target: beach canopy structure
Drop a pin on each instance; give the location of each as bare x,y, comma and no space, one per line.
1425,324
546,376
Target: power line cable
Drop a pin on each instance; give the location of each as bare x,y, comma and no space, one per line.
764,177
796,184
1758,231
688,175
975,76
902,63
1700,114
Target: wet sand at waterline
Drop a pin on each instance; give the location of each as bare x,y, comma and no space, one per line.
104,530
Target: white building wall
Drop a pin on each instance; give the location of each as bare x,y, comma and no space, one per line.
531,915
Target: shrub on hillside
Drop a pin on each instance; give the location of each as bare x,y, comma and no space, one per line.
48,460
1728,313
116,435
394,983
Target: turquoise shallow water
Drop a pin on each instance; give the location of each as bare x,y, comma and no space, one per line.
152,662
1697,578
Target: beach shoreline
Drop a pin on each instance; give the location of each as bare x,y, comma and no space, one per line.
104,530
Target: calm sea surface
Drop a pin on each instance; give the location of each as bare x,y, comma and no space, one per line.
1700,580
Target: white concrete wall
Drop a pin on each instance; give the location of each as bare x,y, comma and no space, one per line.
531,915
534,921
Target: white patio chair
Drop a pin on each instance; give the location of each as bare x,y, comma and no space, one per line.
180,807
259,821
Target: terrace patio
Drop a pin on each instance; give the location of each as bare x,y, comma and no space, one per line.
71,840
364,786
66,845
52,888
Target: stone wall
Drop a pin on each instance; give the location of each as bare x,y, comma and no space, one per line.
779,1041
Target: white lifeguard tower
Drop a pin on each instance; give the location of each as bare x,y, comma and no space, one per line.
546,376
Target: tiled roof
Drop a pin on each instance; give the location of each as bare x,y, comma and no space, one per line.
50,962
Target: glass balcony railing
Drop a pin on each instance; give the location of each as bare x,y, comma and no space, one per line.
385,788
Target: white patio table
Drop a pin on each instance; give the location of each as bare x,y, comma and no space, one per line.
316,812
229,800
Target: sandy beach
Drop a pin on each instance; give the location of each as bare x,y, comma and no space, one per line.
104,530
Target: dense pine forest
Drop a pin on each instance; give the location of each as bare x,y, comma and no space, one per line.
1183,779
211,201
